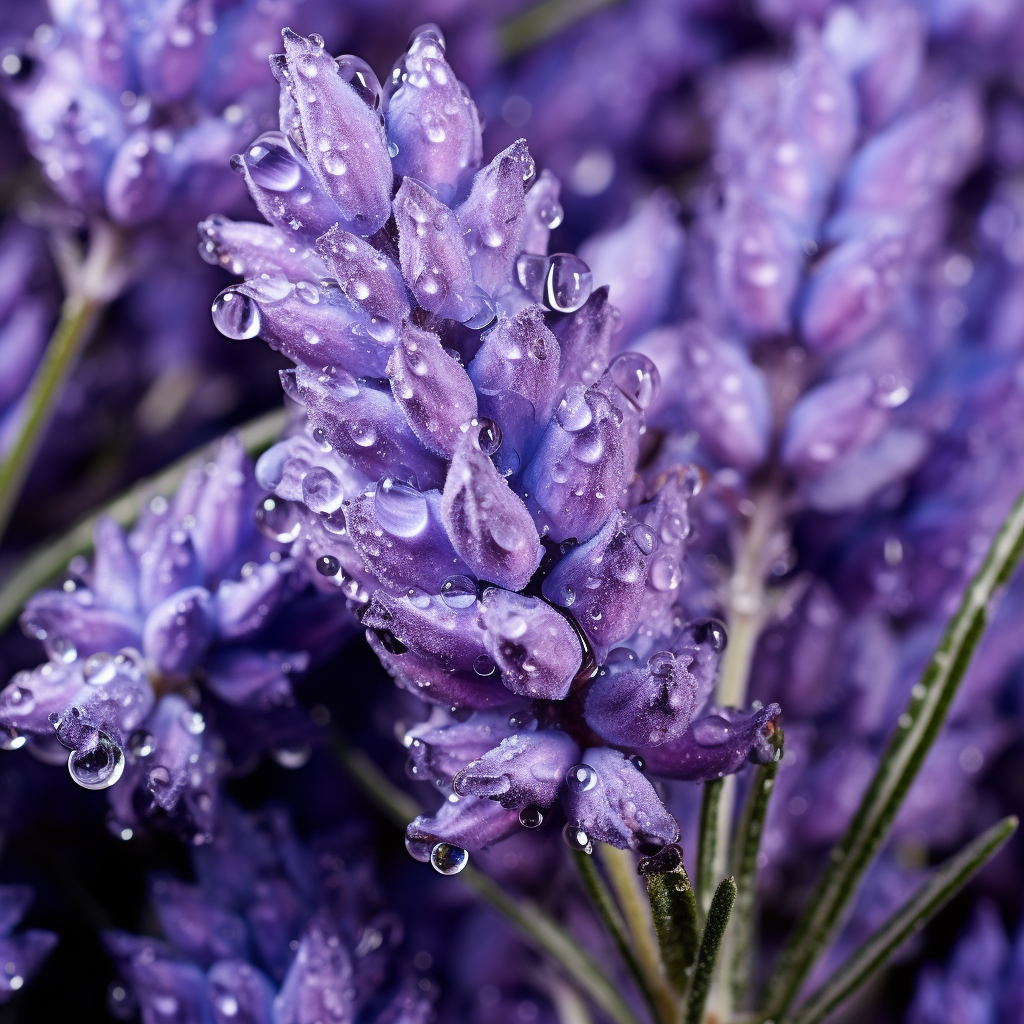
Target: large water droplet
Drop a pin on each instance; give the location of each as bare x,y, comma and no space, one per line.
574,412
236,315
662,664
523,720
141,743
636,377
97,767
328,565
577,839
531,816
568,283
447,859
711,632
581,777
487,434
551,214
271,163
644,538
278,520
400,508
712,731
99,668
532,271
458,592
419,849
321,490
425,35
360,76
665,573
483,665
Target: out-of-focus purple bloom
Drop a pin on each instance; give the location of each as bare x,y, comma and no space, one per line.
24,951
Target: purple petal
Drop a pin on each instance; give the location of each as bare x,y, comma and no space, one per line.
318,986
253,679
585,340
29,699
77,621
432,388
615,804
439,748
114,572
240,993
23,955
535,647
243,607
179,630
137,184
433,121
526,768
489,526
14,901
472,823
543,213
171,564
200,928
250,250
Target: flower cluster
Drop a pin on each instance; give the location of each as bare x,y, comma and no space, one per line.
469,468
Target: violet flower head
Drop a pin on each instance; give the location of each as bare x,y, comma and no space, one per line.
196,608
468,472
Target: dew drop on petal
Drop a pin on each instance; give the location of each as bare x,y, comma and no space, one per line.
458,592
278,520
580,778
447,859
636,377
531,816
236,315
400,508
97,767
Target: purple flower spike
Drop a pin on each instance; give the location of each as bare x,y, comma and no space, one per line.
579,474
493,216
432,120
440,748
602,582
435,650
526,769
633,704
831,422
433,254
400,535
203,930
249,250
640,263
469,822
714,745
179,630
488,525
240,993
610,800
432,388
535,647
585,340
520,355
343,135
369,280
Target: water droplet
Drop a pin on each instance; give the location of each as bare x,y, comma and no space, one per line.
11,738
328,565
523,720
392,150
568,283
488,434
236,315
551,214
360,76
532,272
645,538
317,40
577,839
458,592
636,377
665,573
447,859
271,163
193,722
581,777
363,434
712,731
531,817
712,632
293,757
426,34
390,642
97,767
485,315
141,743
321,490
333,163
400,508
661,664
484,665
419,849
573,412
278,520
637,762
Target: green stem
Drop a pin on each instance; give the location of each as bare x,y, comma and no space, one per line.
636,909
547,19
707,955
546,933
709,856
947,881
52,557
90,292
738,955
915,733
674,912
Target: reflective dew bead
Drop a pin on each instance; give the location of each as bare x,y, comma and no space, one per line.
636,377
712,632
141,743
581,777
328,565
568,283
577,839
447,859
458,592
522,720
236,315
531,817
278,520
99,766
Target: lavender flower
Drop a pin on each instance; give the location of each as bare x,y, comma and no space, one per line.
470,458
25,951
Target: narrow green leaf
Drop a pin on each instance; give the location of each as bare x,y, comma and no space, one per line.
546,19
947,881
545,932
674,910
743,867
607,910
916,730
710,942
52,557
707,845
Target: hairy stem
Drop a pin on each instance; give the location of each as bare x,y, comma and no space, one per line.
91,287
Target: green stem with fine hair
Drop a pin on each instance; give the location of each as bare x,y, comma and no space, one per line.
94,283
707,955
709,857
546,933
916,731
52,557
